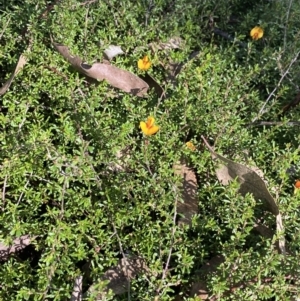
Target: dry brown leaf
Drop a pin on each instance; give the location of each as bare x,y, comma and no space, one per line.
268,233
17,245
174,68
199,288
153,84
189,195
21,63
116,77
172,43
122,157
250,182
119,277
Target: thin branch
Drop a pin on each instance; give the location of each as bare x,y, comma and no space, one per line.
172,239
148,11
286,24
124,257
6,25
24,119
77,290
227,36
3,193
22,193
264,123
262,110
164,274
84,3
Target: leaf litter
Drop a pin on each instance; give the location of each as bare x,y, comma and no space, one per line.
250,182
20,65
189,207
112,51
116,77
118,277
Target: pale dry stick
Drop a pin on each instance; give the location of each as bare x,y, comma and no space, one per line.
82,94
22,193
50,276
77,290
84,3
41,179
3,193
6,25
261,111
286,22
85,32
63,198
265,123
148,11
24,119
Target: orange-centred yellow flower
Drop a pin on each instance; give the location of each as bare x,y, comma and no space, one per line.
148,127
190,145
256,33
144,63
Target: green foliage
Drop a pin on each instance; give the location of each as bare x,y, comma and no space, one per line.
64,184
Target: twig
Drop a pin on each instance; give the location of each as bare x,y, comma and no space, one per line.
227,36
286,23
22,193
148,11
3,193
77,290
164,274
53,267
207,144
24,119
263,123
84,3
261,111
1,35
124,257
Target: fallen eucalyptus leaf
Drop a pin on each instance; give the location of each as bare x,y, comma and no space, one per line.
199,288
112,51
172,43
174,68
268,233
250,181
119,277
153,84
21,63
116,77
189,195
17,245
120,164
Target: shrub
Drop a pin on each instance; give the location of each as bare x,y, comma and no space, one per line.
86,190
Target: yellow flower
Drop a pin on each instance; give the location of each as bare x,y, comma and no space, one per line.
190,145
148,127
144,63
256,33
